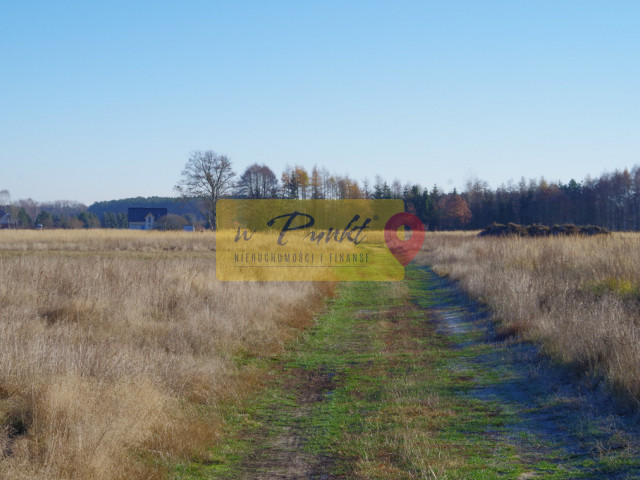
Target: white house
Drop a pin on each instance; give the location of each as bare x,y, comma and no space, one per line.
141,218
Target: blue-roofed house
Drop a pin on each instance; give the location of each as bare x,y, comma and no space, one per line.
143,218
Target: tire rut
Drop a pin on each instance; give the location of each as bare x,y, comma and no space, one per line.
281,455
555,416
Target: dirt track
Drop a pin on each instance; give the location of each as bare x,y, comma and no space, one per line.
559,425
556,417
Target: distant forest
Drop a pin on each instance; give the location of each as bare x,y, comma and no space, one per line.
611,201
174,205
107,214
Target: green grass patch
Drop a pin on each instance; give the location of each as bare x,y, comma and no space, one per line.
377,391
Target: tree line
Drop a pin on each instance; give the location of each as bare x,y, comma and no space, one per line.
611,201
209,177
27,213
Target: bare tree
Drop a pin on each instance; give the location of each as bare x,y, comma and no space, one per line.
316,184
396,188
5,198
30,207
208,177
366,188
258,181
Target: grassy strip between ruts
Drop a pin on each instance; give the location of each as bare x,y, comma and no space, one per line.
370,393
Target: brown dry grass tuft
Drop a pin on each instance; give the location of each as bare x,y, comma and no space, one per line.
579,297
116,347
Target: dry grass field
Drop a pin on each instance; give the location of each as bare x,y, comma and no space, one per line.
579,297
117,346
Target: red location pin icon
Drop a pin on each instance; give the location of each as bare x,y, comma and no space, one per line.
404,250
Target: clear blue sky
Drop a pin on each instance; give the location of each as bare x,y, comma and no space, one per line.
104,100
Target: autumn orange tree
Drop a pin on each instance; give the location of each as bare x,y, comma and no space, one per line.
295,183
455,212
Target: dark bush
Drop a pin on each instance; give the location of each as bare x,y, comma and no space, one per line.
494,230
593,230
567,229
537,230
515,229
